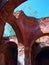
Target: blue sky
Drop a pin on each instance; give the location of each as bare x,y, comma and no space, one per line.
34,8
37,8
8,30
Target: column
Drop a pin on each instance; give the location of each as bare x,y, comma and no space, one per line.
27,56
24,55
21,54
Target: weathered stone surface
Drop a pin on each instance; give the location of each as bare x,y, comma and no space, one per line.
31,28
21,54
2,24
27,30
2,59
10,52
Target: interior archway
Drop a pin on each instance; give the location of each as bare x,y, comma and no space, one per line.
40,51
15,30
11,53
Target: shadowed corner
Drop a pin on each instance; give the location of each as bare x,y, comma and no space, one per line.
2,3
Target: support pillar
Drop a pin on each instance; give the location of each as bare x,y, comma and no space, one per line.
21,54
27,56
24,55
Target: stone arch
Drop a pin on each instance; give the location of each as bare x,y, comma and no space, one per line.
17,31
6,15
40,34
37,49
11,53
13,22
14,26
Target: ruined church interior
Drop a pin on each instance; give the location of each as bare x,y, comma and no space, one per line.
30,44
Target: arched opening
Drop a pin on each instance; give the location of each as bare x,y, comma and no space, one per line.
12,30
11,54
40,51
8,30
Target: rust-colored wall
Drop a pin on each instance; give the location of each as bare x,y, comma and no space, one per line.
27,30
